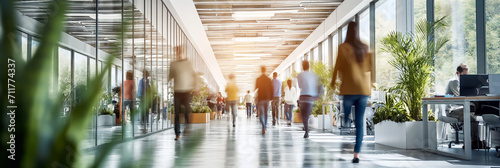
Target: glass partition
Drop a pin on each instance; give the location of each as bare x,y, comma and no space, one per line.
385,22
492,38
462,45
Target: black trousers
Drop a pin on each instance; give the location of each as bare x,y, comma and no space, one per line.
181,99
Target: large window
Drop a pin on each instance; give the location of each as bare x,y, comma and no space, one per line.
385,22
24,46
335,47
80,70
315,54
64,71
364,26
324,52
113,76
344,32
420,10
34,46
462,45
493,36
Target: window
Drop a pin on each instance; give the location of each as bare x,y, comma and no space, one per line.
316,54
385,22
344,33
64,80
34,46
24,46
92,68
420,10
80,68
462,45
493,36
335,47
325,53
364,27
113,76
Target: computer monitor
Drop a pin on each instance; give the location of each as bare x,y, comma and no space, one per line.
473,85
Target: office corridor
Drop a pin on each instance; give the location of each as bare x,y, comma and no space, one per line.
218,144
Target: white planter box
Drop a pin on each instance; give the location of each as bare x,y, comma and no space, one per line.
106,120
407,135
317,122
313,122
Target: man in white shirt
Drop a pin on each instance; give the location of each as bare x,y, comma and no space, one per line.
291,97
248,101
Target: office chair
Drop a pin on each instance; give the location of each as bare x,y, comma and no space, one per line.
454,123
492,122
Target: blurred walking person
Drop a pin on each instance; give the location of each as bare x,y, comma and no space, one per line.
276,98
141,94
309,91
127,89
220,101
232,97
354,66
248,101
184,76
291,98
264,87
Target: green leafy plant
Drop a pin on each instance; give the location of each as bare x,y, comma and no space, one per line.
297,110
393,110
324,73
413,55
42,138
200,109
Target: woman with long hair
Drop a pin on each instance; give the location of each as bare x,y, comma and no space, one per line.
354,67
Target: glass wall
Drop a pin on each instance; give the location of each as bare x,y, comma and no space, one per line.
420,10
315,54
64,72
364,26
492,36
324,52
148,46
385,22
335,47
462,45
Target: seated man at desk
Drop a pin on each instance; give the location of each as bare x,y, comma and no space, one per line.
457,111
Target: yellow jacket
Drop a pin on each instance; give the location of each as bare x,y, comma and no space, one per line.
355,76
232,92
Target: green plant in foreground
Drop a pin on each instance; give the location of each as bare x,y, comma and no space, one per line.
413,56
393,110
42,138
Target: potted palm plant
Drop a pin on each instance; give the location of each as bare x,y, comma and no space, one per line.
413,56
317,118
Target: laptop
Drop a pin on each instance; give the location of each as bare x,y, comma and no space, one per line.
494,84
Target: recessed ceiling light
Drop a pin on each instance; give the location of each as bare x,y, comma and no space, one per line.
247,58
246,39
251,55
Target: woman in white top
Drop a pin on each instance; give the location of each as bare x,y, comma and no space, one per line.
291,97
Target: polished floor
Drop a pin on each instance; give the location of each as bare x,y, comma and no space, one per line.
218,144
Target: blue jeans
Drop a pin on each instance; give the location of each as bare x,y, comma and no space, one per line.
249,109
359,102
233,106
263,108
306,105
289,112
126,103
275,107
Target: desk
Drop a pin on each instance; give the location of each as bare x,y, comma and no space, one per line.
465,101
